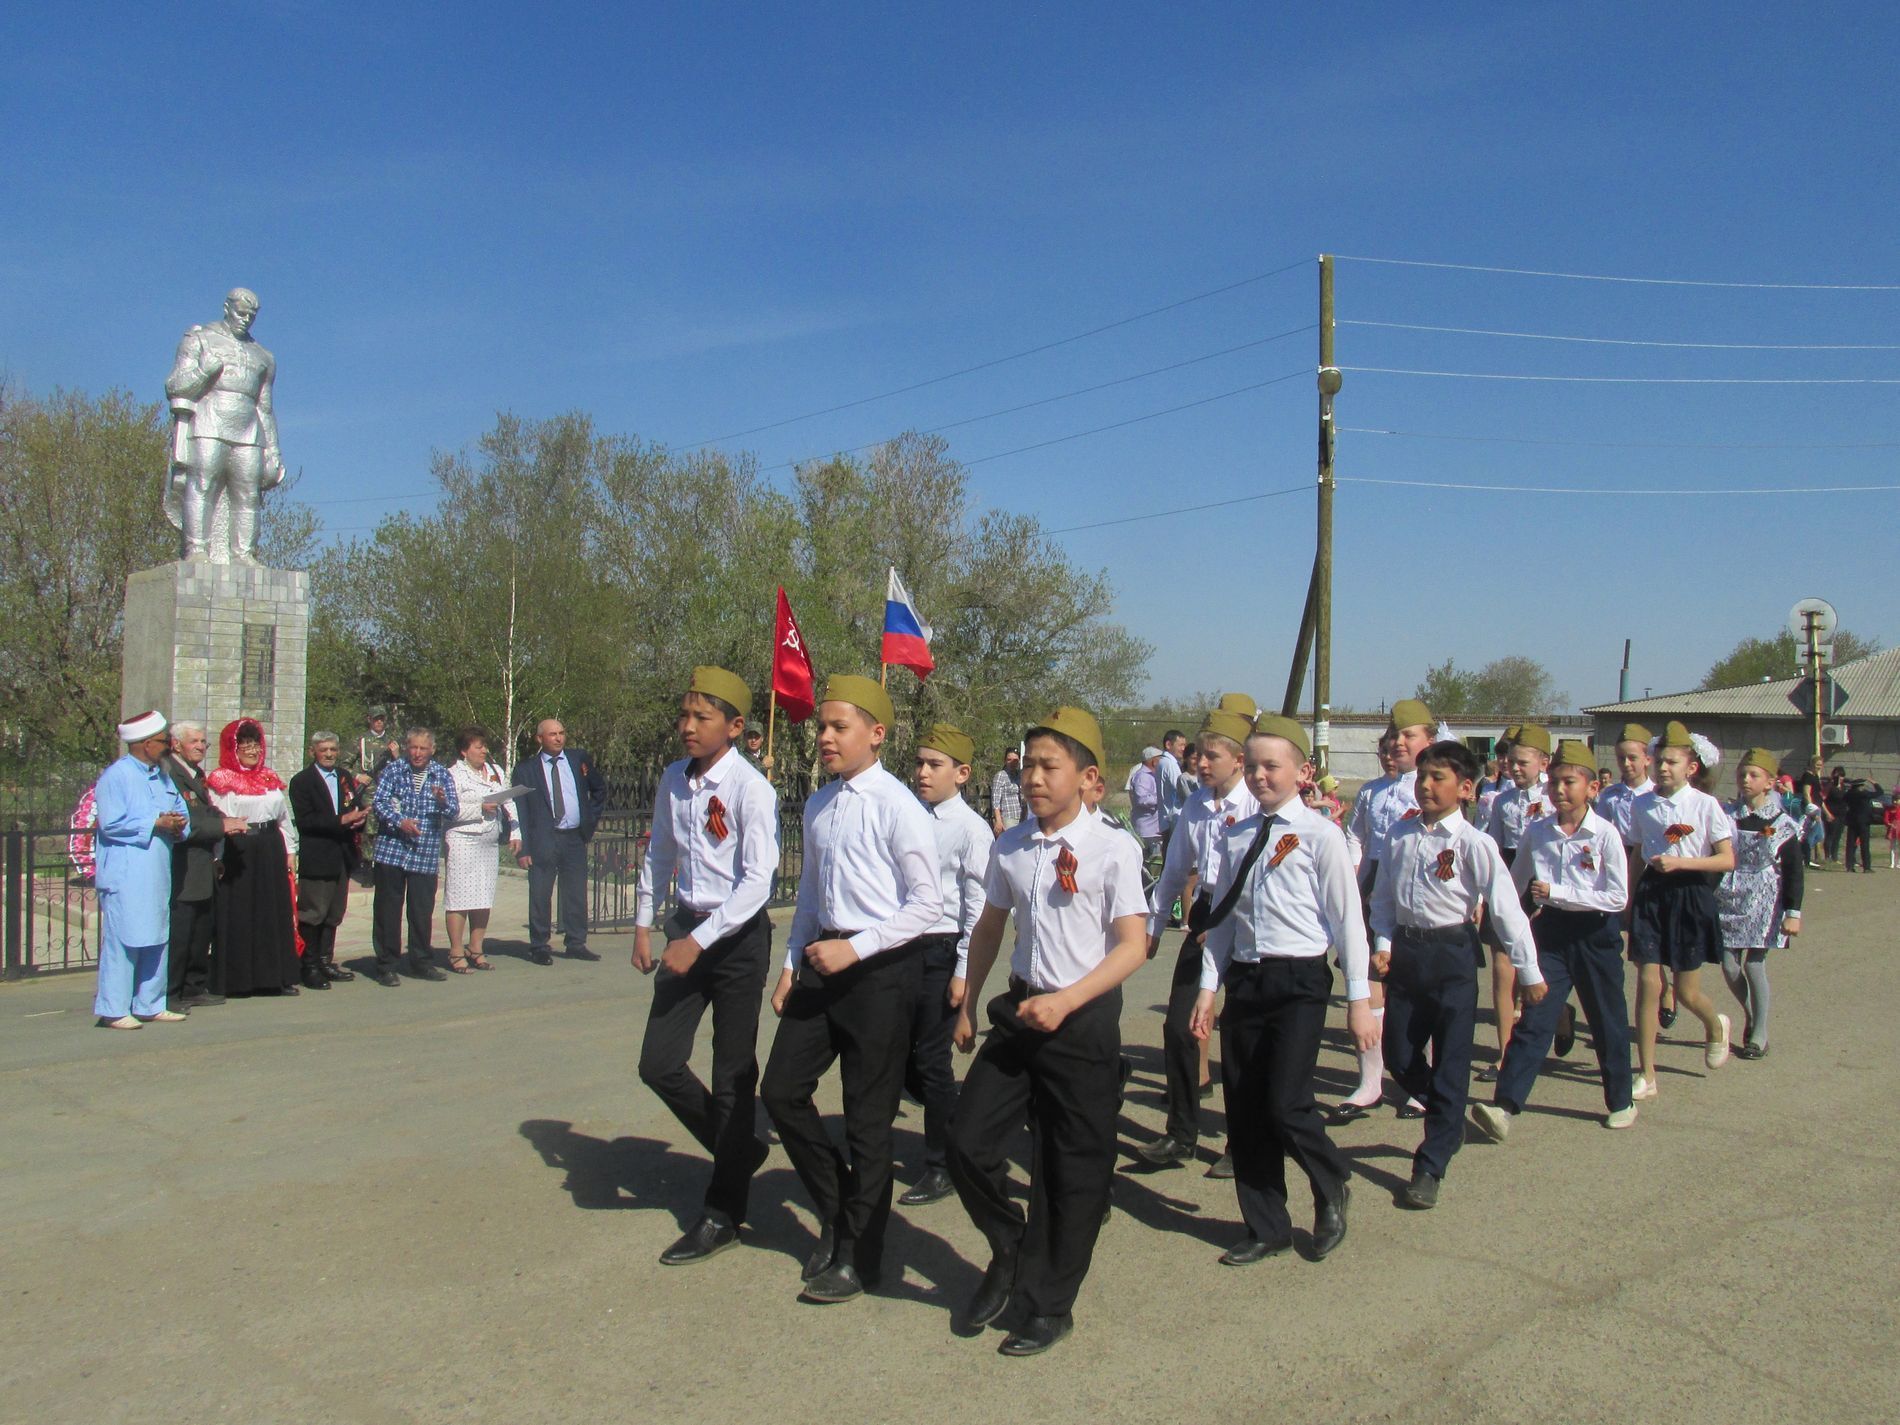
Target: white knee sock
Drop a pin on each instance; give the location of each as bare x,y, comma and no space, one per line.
1371,1069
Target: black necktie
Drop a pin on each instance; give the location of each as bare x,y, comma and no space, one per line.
554,789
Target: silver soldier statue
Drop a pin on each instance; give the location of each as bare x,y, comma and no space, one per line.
224,435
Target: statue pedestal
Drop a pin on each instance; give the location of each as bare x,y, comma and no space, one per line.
209,642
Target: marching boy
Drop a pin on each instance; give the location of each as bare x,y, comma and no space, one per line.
1290,895
1219,804
1437,873
1572,865
715,826
1073,884
867,891
1516,808
963,859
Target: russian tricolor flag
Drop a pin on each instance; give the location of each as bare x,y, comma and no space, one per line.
906,635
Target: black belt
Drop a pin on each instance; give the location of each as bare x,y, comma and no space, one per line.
1581,917
1437,934
258,828
1022,989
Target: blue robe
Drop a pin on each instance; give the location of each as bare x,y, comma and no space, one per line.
134,880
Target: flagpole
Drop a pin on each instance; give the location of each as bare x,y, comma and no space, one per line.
771,726
883,673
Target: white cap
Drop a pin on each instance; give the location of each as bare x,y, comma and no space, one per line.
1150,751
146,724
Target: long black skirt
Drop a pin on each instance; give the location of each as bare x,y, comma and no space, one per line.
256,936
1675,922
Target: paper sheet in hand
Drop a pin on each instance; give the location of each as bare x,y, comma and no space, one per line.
495,799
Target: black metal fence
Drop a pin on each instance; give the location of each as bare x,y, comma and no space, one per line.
50,915
620,845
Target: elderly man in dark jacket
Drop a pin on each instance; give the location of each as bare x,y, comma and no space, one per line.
329,806
194,872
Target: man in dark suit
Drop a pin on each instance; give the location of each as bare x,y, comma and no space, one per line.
329,806
565,795
194,872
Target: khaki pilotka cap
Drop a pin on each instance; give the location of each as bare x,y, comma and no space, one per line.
1634,732
1077,724
1674,734
1410,712
1239,703
1761,757
1224,723
1574,752
953,742
862,693
710,682
1273,725
1534,737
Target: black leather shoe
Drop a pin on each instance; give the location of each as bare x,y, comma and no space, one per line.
1329,1224
1165,1152
1343,1112
1223,1167
289,990
704,1239
541,956
992,1294
837,1282
1421,1194
388,978
1751,1051
821,1255
1406,1110
313,980
1036,1335
1207,1090
1487,1075
1666,1017
582,954
933,1186
201,1000
1250,1249
337,972
425,970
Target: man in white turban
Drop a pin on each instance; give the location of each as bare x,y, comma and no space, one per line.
140,815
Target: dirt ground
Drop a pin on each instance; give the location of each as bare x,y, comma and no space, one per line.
445,1203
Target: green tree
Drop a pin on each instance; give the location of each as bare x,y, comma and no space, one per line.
1755,659
1448,689
1513,686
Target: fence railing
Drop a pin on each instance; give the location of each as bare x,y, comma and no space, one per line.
50,916
620,845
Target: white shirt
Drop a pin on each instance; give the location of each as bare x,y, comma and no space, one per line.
1699,819
1060,936
556,767
1380,806
1617,802
870,866
257,807
1587,870
1411,891
964,840
728,880
1515,808
1196,847
1295,902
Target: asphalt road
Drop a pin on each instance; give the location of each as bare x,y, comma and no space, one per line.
445,1202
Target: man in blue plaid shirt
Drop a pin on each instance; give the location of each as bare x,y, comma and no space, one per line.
415,802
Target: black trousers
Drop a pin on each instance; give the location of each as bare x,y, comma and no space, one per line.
1431,1005
1180,1050
1581,950
859,1019
1832,838
1274,1018
928,1075
394,887
567,865
1857,842
188,965
729,978
1068,1084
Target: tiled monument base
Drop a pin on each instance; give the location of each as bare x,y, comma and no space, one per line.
208,642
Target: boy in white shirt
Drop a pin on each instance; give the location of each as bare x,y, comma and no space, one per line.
1073,884
1523,801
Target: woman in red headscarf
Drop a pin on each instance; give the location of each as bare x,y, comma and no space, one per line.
257,926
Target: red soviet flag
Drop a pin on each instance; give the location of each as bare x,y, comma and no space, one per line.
791,665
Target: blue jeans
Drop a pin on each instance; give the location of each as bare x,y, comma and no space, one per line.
1584,950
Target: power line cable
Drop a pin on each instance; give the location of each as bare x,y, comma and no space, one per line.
1678,490
1185,509
1002,360
1629,444
1643,281
1636,380
1051,400
1626,341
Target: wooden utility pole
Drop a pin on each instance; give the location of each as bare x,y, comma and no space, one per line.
1322,595
1814,680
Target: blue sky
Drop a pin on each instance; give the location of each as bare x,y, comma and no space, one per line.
690,224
